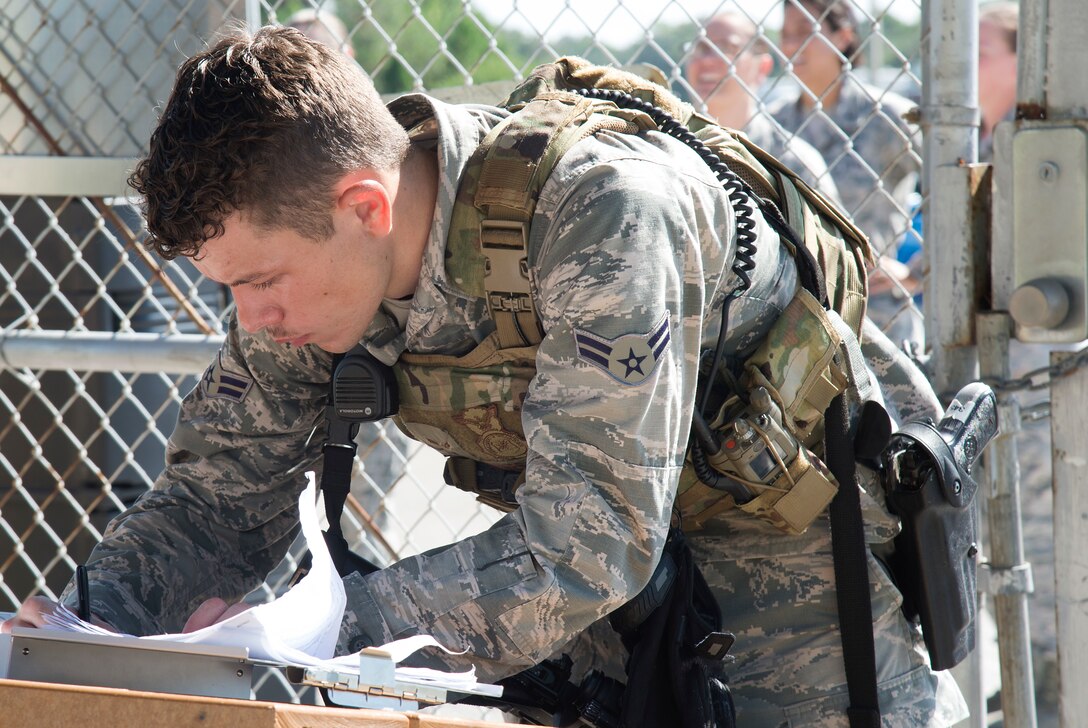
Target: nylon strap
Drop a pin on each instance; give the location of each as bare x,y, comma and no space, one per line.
851,571
507,193
338,460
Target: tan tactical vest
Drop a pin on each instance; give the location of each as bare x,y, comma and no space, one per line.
469,407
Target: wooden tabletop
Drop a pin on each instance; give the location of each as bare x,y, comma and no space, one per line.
48,705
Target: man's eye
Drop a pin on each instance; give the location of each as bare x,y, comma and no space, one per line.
263,285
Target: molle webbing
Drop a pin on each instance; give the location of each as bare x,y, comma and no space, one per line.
506,176
488,256
518,155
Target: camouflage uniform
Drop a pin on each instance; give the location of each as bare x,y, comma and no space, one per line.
605,447
873,156
794,152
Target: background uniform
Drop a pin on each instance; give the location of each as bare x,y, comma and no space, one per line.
873,156
794,152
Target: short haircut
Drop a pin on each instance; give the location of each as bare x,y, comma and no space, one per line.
265,125
836,15
1005,16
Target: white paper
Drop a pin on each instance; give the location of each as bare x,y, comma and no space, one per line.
302,626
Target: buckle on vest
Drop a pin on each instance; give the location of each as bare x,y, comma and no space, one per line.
503,243
510,302
496,480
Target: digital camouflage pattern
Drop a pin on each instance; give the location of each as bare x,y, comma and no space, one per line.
602,464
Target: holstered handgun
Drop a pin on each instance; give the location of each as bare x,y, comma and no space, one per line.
928,482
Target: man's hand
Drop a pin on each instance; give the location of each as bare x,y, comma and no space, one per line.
211,612
889,275
31,614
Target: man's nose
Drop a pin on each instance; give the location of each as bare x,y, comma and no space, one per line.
255,312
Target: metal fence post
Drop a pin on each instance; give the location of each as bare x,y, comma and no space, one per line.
949,118
1006,576
1067,422
950,125
1051,92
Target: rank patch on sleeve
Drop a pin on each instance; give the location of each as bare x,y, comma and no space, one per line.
222,383
629,359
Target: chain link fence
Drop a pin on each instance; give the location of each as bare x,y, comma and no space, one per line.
81,83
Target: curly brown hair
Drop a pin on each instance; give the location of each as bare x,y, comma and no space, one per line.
265,124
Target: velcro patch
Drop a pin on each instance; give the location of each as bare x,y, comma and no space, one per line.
221,383
629,359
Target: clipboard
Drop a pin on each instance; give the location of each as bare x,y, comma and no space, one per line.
55,656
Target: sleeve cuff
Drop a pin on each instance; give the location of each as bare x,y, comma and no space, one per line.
363,625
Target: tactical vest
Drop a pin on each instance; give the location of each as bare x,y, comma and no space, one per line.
469,407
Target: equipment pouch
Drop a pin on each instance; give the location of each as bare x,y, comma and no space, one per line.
794,510
801,362
929,485
766,454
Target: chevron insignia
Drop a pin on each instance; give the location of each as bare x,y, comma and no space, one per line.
222,383
629,359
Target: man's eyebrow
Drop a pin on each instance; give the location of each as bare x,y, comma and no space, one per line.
244,280
249,278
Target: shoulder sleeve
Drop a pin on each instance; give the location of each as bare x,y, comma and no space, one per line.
223,511
629,254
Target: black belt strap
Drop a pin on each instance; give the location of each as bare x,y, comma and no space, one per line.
851,571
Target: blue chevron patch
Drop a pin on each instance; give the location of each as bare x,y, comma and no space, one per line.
629,359
221,383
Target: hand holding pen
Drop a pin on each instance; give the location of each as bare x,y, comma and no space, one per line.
42,611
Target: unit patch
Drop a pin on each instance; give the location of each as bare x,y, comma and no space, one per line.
221,383
629,359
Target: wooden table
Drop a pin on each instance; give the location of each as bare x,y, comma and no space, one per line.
47,705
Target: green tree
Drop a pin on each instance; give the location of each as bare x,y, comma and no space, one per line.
425,44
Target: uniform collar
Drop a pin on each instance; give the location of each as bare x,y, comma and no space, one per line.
456,131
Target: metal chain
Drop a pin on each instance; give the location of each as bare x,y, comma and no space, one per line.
1038,379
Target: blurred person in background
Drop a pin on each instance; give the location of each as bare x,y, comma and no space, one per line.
727,67
323,27
872,153
997,24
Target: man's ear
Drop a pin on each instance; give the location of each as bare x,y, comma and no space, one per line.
364,195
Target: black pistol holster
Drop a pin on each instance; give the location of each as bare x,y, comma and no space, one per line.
929,485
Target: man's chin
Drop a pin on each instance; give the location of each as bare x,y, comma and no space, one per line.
334,347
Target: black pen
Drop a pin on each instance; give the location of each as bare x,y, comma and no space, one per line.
83,590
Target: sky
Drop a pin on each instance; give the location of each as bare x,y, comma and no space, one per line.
617,22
